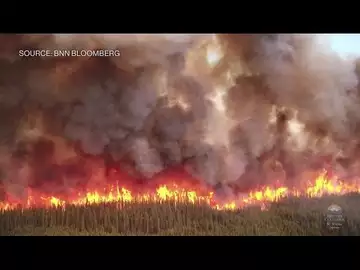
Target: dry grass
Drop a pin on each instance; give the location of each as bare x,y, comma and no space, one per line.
298,217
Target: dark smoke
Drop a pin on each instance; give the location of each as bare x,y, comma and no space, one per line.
272,107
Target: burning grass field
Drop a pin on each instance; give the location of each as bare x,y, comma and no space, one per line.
93,145
176,211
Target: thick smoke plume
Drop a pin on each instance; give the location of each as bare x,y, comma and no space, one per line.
235,111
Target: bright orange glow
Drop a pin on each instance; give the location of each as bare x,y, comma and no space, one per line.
322,185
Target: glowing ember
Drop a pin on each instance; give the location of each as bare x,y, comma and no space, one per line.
321,186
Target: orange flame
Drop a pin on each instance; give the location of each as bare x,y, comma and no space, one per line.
321,186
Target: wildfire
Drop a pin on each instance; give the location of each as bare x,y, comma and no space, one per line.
322,185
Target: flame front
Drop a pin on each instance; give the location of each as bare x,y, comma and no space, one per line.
322,185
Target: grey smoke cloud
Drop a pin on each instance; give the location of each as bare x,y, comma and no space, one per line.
161,104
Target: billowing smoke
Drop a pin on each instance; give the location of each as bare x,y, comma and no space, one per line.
235,111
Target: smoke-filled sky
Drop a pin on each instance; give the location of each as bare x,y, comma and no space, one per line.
219,105
345,44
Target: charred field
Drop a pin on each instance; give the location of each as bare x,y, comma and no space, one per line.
289,217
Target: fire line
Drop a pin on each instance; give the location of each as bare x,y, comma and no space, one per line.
322,185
